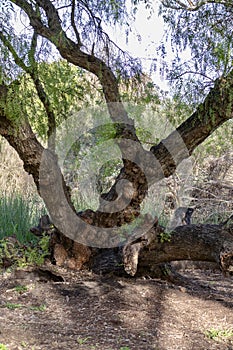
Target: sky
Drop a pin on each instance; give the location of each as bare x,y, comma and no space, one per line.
147,32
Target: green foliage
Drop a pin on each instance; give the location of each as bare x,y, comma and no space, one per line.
18,215
82,341
13,306
3,347
69,90
165,237
21,289
220,334
40,308
220,142
205,35
177,110
113,11
22,255
34,255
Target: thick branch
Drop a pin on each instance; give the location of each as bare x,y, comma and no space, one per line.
213,243
209,243
216,109
21,137
23,140
51,133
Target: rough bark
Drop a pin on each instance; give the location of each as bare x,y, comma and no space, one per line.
216,109
207,243
24,141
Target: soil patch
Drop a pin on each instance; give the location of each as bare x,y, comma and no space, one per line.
85,311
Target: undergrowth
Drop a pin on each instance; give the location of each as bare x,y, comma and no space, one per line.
14,254
18,246
18,214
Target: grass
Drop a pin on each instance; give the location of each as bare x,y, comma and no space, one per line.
21,289
18,214
38,308
3,347
219,334
13,306
82,341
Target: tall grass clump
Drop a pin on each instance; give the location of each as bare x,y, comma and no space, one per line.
20,205
18,214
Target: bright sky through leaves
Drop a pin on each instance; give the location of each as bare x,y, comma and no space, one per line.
144,37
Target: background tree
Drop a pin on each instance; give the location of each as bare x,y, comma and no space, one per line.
75,30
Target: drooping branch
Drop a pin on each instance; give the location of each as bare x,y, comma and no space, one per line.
43,96
72,20
32,70
192,5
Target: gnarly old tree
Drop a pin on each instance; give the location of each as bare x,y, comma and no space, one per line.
75,29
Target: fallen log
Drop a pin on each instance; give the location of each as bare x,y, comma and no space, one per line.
143,256
210,243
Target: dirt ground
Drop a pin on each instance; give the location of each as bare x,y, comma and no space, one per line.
86,311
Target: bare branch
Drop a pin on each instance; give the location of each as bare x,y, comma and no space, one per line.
16,57
54,21
72,18
196,73
191,6
34,18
